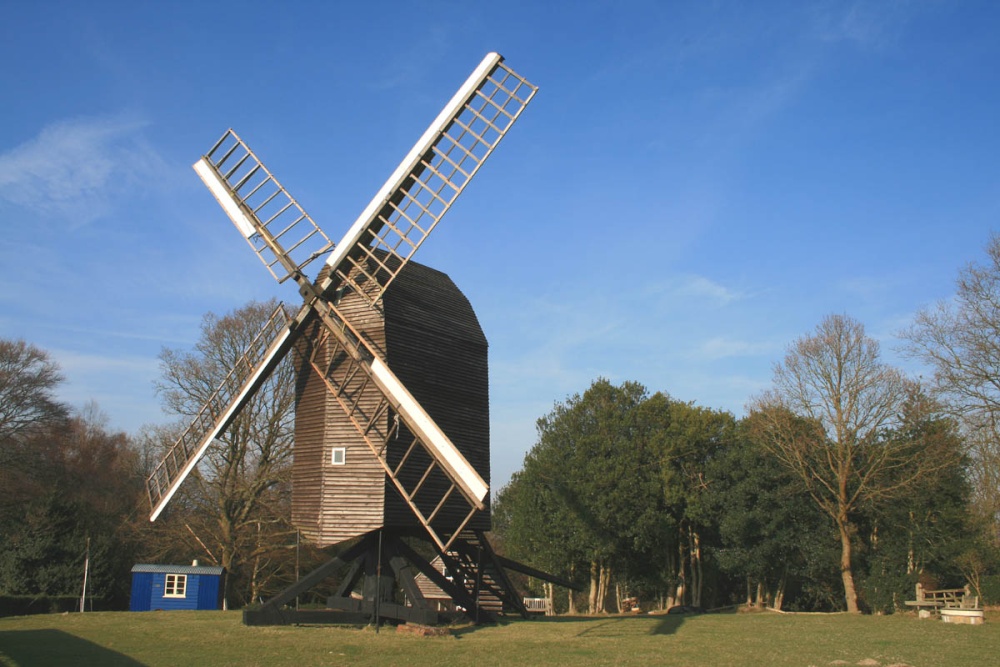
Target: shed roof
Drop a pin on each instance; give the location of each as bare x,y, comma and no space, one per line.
428,588
177,569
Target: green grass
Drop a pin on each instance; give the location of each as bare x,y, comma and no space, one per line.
220,638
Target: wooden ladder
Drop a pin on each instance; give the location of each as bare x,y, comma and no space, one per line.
472,557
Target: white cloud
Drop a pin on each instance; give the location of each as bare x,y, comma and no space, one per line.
74,363
867,25
74,169
721,347
696,287
701,287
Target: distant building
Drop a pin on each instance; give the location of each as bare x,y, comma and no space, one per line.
194,586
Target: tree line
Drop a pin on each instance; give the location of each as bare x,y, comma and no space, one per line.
845,483
68,486
71,488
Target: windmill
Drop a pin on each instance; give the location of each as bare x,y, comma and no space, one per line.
374,452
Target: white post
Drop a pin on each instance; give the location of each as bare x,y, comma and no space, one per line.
86,570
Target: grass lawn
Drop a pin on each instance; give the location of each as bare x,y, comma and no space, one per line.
220,638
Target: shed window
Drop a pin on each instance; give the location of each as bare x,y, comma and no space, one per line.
175,586
338,456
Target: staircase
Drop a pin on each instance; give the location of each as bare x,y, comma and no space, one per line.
472,558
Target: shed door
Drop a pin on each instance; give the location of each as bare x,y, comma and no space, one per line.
208,592
142,591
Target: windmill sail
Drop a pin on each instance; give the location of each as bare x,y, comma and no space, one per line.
251,370
280,232
236,177
372,253
430,178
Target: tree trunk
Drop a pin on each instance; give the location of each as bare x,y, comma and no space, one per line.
603,582
911,554
570,599
779,594
226,561
681,588
696,571
602,598
594,585
255,583
846,571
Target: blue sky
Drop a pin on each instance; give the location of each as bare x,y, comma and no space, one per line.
696,184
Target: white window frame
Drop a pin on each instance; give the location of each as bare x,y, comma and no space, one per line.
338,456
175,586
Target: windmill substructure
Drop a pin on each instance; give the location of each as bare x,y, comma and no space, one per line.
391,423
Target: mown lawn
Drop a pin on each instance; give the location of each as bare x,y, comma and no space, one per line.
220,638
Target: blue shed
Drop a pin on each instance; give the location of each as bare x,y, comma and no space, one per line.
176,587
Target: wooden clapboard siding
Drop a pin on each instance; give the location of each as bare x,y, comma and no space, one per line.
310,424
431,339
332,503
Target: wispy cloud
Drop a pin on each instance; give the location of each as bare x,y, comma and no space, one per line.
721,347
74,363
701,287
122,386
695,287
74,169
867,25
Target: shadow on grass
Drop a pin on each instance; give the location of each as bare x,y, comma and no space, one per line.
56,648
661,624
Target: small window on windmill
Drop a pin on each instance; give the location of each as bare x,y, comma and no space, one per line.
338,456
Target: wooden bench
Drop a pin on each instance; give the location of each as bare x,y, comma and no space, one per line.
538,606
929,602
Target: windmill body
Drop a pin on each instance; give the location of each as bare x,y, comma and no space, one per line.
392,412
430,337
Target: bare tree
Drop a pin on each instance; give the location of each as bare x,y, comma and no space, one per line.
234,505
29,414
960,340
826,419
27,381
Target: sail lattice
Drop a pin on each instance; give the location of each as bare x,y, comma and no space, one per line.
437,174
278,229
250,371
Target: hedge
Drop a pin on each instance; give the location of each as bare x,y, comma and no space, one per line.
23,605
